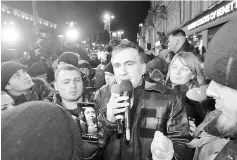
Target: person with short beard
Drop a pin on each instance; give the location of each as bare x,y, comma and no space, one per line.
217,134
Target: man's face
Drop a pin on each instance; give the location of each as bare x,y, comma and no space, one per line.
109,78
180,74
89,114
225,98
7,103
20,81
127,65
69,85
172,44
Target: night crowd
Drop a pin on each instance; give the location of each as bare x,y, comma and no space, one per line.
183,104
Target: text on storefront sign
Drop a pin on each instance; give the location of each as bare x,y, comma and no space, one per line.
230,7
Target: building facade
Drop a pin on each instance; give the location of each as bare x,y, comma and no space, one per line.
199,19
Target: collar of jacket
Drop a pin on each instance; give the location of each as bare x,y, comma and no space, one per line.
185,47
58,100
156,87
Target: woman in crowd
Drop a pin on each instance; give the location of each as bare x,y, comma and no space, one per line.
185,73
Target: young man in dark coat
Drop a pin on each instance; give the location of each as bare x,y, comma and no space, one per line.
178,42
20,86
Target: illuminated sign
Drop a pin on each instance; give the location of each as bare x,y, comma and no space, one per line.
230,7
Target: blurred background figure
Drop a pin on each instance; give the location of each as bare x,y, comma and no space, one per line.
109,75
7,102
68,58
87,73
39,70
157,70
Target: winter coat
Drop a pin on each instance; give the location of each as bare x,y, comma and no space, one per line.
195,110
209,145
39,91
155,108
187,47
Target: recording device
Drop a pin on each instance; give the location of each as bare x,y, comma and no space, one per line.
88,121
119,118
126,89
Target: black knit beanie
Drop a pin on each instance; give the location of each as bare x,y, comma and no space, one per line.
69,57
41,131
157,63
109,68
220,62
8,69
37,69
99,78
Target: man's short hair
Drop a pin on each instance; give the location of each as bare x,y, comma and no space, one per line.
66,67
127,45
178,32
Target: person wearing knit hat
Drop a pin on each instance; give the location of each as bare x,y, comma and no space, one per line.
220,66
87,73
157,69
38,69
99,78
14,78
68,58
84,67
42,131
109,74
20,86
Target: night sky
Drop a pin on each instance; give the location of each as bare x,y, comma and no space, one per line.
89,14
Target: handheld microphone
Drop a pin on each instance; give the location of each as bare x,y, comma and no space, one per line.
126,89
119,118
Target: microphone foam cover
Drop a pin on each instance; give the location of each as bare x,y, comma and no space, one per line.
126,85
115,89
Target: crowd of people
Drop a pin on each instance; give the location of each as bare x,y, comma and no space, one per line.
183,106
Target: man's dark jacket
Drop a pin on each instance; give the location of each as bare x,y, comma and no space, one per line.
155,108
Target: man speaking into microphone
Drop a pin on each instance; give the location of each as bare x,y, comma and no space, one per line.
153,108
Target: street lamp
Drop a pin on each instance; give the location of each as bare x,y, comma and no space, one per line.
72,34
107,20
10,33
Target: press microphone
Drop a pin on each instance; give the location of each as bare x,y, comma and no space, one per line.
126,89
119,118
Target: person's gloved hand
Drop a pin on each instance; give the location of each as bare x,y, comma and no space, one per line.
161,147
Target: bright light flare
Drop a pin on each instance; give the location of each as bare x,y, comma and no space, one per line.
72,34
10,34
107,16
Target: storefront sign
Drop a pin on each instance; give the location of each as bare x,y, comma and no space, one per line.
230,7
